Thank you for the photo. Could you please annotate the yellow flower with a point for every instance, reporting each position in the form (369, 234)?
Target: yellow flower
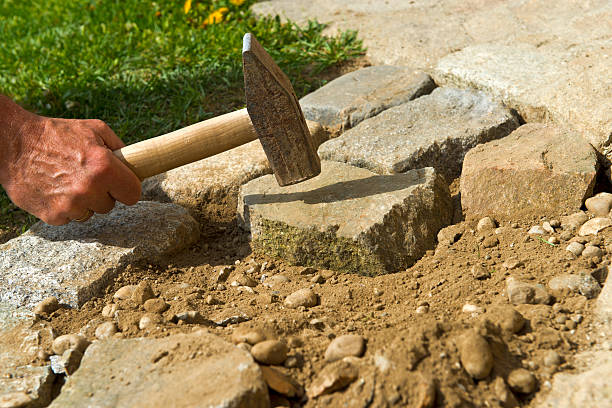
(237, 2)
(216, 16)
(187, 6)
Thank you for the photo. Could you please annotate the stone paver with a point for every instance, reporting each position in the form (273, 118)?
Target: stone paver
(348, 218)
(183, 370)
(208, 187)
(435, 130)
(358, 95)
(76, 261)
(571, 88)
(537, 170)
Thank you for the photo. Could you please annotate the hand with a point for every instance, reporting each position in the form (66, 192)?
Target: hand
(61, 170)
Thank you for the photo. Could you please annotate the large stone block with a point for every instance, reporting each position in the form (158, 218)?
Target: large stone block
(183, 370)
(358, 95)
(571, 88)
(538, 170)
(77, 261)
(435, 130)
(348, 219)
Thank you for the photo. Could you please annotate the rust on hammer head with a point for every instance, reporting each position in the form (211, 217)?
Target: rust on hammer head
(277, 117)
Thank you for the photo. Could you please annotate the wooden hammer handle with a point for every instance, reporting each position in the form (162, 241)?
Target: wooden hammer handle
(189, 144)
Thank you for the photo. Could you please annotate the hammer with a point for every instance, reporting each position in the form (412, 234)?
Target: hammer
(273, 114)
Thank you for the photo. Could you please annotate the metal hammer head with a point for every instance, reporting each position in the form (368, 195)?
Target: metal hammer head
(277, 117)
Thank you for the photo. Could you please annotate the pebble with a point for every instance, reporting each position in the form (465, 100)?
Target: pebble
(317, 278)
(250, 335)
(156, 305)
(303, 297)
(224, 273)
(142, 293)
(110, 310)
(124, 292)
(345, 346)
(522, 381)
(490, 242)
(475, 355)
(281, 383)
(480, 272)
(574, 221)
(512, 263)
(485, 224)
(525, 293)
(547, 227)
(276, 281)
(470, 308)
(553, 240)
(599, 204)
(593, 226)
(69, 341)
(503, 394)
(211, 300)
(47, 306)
(591, 251)
(149, 320)
(537, 230)
(568, 283)
(378, 292)
(551, 358)
(244, 280)
(333, 377)
(422, 309)
(570, 324)
(507, 318)
(71, 360)
(271, 352)
(575, 248)
(106, 330)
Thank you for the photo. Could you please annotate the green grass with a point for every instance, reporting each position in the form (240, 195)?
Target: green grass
(146, 68)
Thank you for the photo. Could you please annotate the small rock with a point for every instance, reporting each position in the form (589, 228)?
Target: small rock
(566, 235)
(449, 235)
(475, 355)
(582, 283)
(156, 305)
(575, 248)
(190, 317)
(591, 251)
(149, 320)
(480, 272)
(526, 293)
(317, 278)
(142, 293)
(245, 346)
(574, 221)
(555, 223)
(503, 394)
(69, 341)
(521, 380)
(106, 330)
(47, 306)
(593, 226)
(345, 346)
(281, 383)
(271, 352)
(490, 242)
(422, 309)
(276, 281)
(552, 358)
(553, 240)
(378, 292)
(307, 270)
(250, 335)
(426, 394)
(333, 377)
(507, 318)
(547, 227)
(124, 292)
(244, 280)
(211, 300)
(512, 263)
(485, 224)
(302, 297)
(470, 308)
(224, 273)
(600, 204)
(110, 310)
(537, 230)
(71, 359)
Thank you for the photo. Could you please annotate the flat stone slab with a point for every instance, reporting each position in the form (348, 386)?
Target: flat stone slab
(435, 130)
(571, 88)
(358, 95)
(537, 170)
(77, 261)
(183, 370)
(347, 219)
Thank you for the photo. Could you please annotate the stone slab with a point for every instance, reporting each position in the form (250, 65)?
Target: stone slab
(77, 261)
(538, 170)
(182, 370)
(571, 88)
(358, 95)
(435, 130)
(347, 219)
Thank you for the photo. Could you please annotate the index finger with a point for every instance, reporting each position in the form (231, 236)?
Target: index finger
(124, 185)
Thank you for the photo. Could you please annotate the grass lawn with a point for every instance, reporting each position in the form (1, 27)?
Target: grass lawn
(146, 67)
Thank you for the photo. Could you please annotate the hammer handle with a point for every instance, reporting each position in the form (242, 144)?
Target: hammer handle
(198, 141)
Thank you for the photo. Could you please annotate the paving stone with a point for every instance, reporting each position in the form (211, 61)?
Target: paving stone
(567, 87)
(77, 261)
(435, 130)
(537, 170)
(183, 370)
(358, 95)
(208, 187)
(348, 218)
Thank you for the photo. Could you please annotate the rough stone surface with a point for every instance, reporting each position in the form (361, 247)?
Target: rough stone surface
(358, 95)
(594, 225)
(345, 346)
(526, 293)
(348, 218)
(77, 261)
(333, 377)
(600, 204)
(537, 170)
(162, 373)
(435, 130)
(208, 186)
(568, 283)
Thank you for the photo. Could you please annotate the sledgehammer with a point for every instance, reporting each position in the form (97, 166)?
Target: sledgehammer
(273, 114)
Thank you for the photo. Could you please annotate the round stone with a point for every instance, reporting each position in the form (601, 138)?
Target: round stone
(271, 352)
(575, 248)
(486, 223)
(302, 297)
(250, 335)
(106, 330)
(47, 306)
(69, 341)
(507, 318)
(551, 358)
(591, 251)
(345, 346)
(522, 381)
(475, 354)
(124, 292)
(155, 305)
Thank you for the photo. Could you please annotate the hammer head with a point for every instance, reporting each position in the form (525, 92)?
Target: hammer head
(277, 117)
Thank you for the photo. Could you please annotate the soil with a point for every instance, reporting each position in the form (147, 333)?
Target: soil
(383, 309)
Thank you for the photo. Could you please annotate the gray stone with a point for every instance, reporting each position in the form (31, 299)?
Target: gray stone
(347, 219)
(568, 283)
(77, 261)
(435, 130)
(358, 95)
(591, 251)
(575, 248)
(554, 86)
(183, 370)
(526, 293)
(600, 204)
(537, 170)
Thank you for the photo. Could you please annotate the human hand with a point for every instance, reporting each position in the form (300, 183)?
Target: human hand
(63, 169)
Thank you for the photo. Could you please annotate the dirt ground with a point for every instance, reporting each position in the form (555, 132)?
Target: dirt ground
(413, 317)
